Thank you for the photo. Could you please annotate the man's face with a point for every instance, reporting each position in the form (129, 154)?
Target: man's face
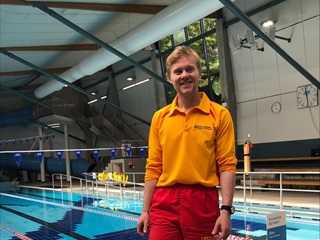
(184, 76)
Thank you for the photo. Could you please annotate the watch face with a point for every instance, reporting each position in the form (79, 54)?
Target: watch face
(276, 107)
(232, 209)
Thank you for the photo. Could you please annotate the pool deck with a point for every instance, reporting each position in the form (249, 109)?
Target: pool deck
(301, 199)
(293, 199)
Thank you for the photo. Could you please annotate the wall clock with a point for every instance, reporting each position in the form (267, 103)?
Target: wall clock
(276, 107)
(307, 96)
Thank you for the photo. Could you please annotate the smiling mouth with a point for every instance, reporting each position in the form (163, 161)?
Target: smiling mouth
(185, 83)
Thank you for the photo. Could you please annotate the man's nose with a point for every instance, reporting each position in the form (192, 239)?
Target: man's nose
(184, 74)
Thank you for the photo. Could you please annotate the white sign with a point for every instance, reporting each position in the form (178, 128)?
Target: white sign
(276, 226)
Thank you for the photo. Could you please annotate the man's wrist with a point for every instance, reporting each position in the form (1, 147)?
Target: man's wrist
(229, 209)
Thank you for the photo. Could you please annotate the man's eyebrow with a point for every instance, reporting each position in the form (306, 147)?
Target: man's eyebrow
(177, 69)
(188, 66)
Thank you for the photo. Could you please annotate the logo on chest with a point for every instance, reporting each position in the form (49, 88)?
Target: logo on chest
(199, 127)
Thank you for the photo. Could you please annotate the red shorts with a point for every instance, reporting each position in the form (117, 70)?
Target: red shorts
(183, 212)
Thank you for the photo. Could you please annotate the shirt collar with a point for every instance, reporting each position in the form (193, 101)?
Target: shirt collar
(204, 105)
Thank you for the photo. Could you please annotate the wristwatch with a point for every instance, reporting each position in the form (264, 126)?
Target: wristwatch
(230, 209)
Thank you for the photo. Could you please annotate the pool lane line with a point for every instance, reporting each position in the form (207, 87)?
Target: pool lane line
(115, 209)
(42, 197)
(46, 224)
(75, 207)
(70, 201)
(18, 235)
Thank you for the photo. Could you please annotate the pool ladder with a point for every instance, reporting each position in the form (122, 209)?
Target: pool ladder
(15, 182)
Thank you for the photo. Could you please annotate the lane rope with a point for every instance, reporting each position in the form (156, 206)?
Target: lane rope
(18, 235)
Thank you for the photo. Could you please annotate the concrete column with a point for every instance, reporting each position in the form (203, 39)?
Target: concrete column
(42, 169)
(225, 69)
(155, 68)
(66, 146)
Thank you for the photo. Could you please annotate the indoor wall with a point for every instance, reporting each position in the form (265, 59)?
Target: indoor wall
(264, 77)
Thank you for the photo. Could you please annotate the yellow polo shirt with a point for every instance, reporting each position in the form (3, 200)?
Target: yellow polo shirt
(191, 148)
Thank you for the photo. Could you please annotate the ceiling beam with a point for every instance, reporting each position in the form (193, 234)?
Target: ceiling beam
(123, 8)
(33, 72)
(74, 47)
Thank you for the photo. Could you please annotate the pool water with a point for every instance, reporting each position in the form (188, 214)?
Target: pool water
(45, 214)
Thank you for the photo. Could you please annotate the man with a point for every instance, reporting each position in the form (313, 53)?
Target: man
(191, 151)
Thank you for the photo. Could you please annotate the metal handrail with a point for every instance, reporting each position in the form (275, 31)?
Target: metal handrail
(292, 213)
(107, 185)
(100, 188)
(14, 182)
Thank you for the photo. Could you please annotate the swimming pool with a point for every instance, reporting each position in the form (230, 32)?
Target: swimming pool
(46, 214)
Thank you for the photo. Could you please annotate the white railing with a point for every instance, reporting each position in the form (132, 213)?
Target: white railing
(251, 185)
(281, 189)
(134, 190)
(95, 187)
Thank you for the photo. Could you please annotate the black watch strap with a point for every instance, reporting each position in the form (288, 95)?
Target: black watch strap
(230, 209)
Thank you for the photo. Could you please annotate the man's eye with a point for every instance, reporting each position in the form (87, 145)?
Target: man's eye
(190, 70)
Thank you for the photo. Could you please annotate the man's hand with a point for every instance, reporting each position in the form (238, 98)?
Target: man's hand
(143, 224)
(223, 223)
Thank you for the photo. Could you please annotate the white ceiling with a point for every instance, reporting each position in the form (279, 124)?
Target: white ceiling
(41, 40)
(37, 38)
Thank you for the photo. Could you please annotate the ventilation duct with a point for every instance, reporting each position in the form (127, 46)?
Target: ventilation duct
(166, 22)
(52, 165)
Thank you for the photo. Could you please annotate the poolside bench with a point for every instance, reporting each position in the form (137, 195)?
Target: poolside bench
(311, 165)
(302, 182)
(282, 159)
(295, 170)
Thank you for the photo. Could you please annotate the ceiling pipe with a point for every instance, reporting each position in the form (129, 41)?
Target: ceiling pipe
(166, 22)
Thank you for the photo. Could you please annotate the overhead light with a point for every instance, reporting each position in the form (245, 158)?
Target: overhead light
(54, 125)
(131, 78)
(94, 93)
(267, 23)
(138, 83)
(94, 100)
